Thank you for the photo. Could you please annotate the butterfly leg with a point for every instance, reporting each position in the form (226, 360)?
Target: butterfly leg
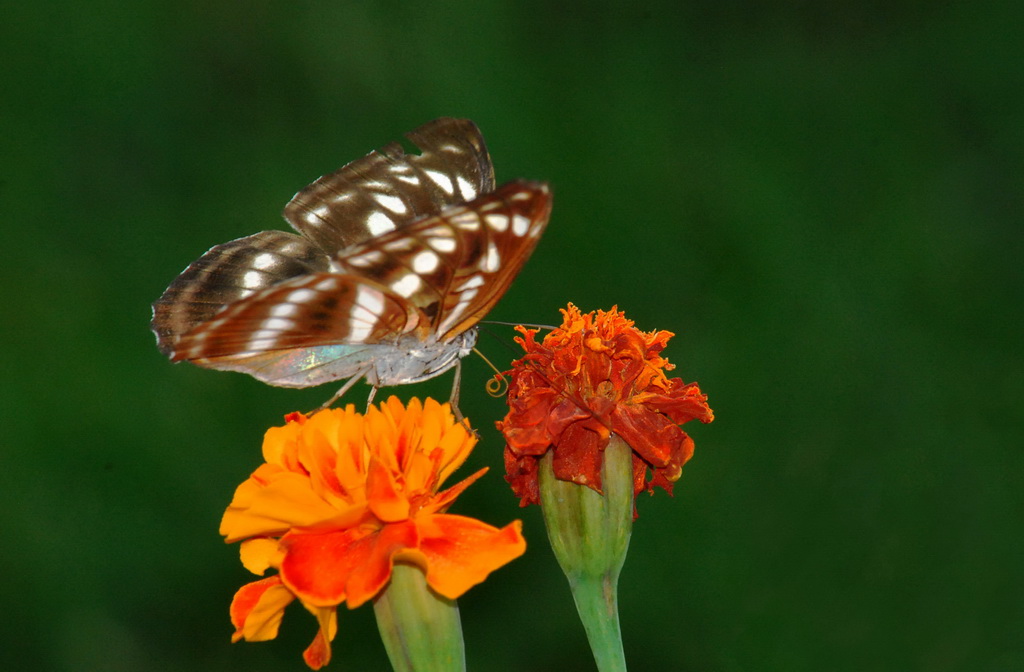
(456, 387)
(345, 388)
(369, 399)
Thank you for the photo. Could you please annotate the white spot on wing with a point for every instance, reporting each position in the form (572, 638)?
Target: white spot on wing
(467, 189)
(362, 314)
(472, 283)
(301, 296)
(520, 225)
(491, 261)
(366, 315)
(263, 336)
(359, 329)
(467, 220)
(276, 324)
(327, 285)
(441, 180)
(392, 203)
(442, 243)
(379, 223)
(498, 222)
(453, 315)
(252, 279)
(425, 261)
(365, 259)
(402, 244)
(257, 345)
(408, 285)
(284, 310)
(371, 299)
(263, 261)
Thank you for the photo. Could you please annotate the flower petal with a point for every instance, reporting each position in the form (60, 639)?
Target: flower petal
(351, 566)
(258, 555)
(287, 501)
(386, 500)
(460, 552)
(318, 653)
(257, 609)
(653, 436)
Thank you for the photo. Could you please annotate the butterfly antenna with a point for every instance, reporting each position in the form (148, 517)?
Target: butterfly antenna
(495, 386)
(546, 327)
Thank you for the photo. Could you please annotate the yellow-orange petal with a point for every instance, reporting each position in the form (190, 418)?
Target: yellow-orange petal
(386, 500)
(351, 566)
(286, 502)
(278, 442)
(370, 578)
(443, 500)
(318, 653)
(260, 554)
(459, 552)
(257, 609)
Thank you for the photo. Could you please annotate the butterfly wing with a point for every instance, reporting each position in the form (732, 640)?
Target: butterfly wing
(377, 193)
(454, 267)
(414, 289)
(228, 273)
(389, 188)
(302, 332)
(512, 220)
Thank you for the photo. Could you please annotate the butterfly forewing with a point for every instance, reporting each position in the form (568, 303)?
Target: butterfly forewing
(388, 188)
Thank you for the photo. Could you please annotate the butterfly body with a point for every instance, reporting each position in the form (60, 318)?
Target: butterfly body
(398, 258)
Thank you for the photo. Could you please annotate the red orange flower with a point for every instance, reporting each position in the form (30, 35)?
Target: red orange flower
(341, 497)
(593, 376)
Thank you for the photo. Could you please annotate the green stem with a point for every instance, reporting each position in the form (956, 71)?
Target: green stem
(597, 603)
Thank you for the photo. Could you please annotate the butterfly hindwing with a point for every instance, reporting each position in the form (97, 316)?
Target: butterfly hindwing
(228, 273)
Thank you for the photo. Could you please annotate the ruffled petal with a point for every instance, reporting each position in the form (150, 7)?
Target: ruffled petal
(460, 552)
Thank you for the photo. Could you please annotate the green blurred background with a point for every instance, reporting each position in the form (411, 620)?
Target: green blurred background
(822, 200)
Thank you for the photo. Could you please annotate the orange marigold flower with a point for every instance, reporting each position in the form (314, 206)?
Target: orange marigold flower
(593, 376)
(340, 498)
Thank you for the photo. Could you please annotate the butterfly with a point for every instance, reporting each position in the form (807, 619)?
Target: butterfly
(398, 257)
